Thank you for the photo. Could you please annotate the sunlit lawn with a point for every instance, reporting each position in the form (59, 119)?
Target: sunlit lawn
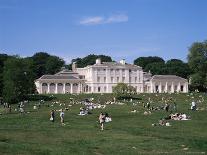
(128, 133)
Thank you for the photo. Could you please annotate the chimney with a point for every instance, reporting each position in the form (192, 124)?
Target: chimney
(98, 61)
(74, 66)
(123, 62)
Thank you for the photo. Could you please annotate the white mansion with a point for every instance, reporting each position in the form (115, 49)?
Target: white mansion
(103, 76)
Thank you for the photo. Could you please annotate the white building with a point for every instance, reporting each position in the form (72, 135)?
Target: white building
(103, 76)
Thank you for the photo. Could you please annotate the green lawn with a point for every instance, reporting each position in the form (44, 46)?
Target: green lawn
(128, 133)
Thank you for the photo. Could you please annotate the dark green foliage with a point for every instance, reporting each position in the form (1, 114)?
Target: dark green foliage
(197, 60)
(144, 61)
(123, 91)
(156, 68)
(3, 58)
(17, 79)
(90, 60)
(46, 64)
(177, 67)
(157, 65)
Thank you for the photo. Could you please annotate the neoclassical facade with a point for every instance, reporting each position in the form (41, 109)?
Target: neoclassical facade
(103, 76)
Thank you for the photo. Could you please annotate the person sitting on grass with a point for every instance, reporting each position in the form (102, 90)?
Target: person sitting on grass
(193, 106)
(102, 120)
(107, 118)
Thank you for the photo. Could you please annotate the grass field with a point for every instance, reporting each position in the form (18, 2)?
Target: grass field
(127, 134)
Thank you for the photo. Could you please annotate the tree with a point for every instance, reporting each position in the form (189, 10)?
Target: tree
(156, 68)
(3, 58)
(90, 60)
(46, 64)
(177, 67)
(121, 90)
(197, 60)
(53, 64)
(144, 61)
(17, 79)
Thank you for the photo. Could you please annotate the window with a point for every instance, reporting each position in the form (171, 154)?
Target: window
(117, 70)
(112, 70)
(104, 70)
(105, 89)
(123, 79)
(123, 70)
(181, 88)
(104, 79)
(99, 89)
(112, 79)
(135, 79)
(117, 79)
(98, 79)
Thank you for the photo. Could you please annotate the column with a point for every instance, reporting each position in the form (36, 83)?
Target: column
(48, 88)
(186, 87)
(40, 88)
(71, 88)
(78, 87)
(63, 88)
(172, 88)
(160, 87)
(56, 85)
(151, 87)
(178, 88)
(166, 87)
(108, 79)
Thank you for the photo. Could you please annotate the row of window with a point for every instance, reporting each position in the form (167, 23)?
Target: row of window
(59, 84)
(169, 88)
(116, 70)
(117, 79)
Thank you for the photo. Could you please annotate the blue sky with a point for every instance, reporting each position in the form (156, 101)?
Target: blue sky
(119, 28)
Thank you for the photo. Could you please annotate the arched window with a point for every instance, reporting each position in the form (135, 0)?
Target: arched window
(60, 84)
(44, 84)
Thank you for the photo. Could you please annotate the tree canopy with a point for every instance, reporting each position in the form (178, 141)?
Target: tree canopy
(197, 60)
(90, 60)
(157, 65)
(18, 79)
(122, 90)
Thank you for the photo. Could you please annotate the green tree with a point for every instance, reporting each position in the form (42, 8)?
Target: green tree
(46, 64)
(197, 60)
(122, 90)
(177, 67)
(17, 79)
(144, 61)
(3, 58)
(90, 60)
(156, 68)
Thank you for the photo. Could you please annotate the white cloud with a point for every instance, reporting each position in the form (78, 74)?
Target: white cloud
(92, 20)
(117, 18)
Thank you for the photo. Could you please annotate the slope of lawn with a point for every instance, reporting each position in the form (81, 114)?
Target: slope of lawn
(128, 133)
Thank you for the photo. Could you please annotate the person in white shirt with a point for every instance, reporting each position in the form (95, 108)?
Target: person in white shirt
(193, 106)
(62, 117)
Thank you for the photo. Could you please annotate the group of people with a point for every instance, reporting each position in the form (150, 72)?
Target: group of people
(52, 116)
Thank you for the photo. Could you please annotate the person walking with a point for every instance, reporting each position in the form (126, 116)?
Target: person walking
(102, 120)
(62, 117)
(52, 115)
